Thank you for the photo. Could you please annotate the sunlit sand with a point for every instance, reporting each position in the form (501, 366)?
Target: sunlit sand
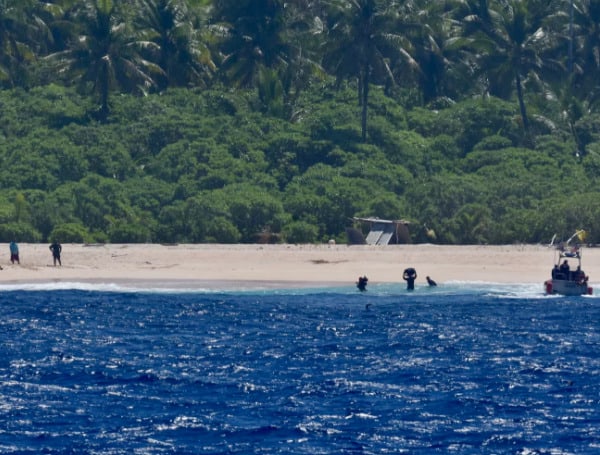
(233, 266)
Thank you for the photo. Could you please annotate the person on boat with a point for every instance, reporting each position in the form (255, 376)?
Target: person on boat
(564, 269)
(430, 282)
(555, 272)
(361, 284)
(580, 275)
(410, 275)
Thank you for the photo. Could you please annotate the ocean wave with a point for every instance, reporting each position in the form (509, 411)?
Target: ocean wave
(451, 288)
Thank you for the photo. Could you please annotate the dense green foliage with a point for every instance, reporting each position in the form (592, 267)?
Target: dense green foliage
(203, 166)
(254, 124)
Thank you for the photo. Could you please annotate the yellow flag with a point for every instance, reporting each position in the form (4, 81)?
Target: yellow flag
(581, 235)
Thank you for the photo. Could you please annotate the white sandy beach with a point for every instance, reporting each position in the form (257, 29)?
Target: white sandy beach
(235, 266)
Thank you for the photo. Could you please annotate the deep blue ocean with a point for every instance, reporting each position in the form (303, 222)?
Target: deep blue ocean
(462, 368)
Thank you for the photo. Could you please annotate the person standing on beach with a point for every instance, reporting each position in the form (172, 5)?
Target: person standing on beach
(14, 252)
(56, 249)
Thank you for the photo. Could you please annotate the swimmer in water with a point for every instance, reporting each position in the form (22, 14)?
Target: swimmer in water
(410, 275)
(361, 284)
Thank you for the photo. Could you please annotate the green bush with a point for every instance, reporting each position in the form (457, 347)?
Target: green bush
(70, 233)
(201, 165)
(300, 232)
(494, 142)
(19, 232)
(222, 230)
(129, 233)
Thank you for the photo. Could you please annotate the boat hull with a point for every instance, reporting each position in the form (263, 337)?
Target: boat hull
(567, 287)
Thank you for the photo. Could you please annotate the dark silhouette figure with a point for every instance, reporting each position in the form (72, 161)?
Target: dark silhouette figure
(14, 252)
(56, 249)
(430, 282)
(565, 269)
(580, 275)
(361, 284)
(410, 275)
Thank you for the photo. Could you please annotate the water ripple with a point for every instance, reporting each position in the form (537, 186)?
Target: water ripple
(464, 371)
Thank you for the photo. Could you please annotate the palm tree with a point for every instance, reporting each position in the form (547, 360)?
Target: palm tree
(168, 34)
(578, 92)
(508, 42)
(103, 53)
(56, 14)
(441, 70)
(254, 37)
(265, 45)
(21, 32)
(364, 41)
(586, 55)
(303, 33)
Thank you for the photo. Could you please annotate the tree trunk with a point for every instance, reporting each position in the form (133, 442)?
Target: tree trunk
(104, 88)
(522, 103)
(365, 103)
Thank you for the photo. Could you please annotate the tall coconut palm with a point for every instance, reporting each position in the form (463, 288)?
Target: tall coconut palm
(57, 15)
(441, 69)
(304, 31)
(22, 36)
(365, 38)
(254, 37)
(586, 53)
(168, 34)
(508, 41)
(264, 45)
(104, 53)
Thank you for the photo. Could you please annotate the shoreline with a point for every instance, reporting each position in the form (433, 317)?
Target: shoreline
(238, 266)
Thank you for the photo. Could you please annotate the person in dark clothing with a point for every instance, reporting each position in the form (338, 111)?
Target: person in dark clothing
(56, 249)
(361, 284)
(565, 269)
(580, 276)
(14, 252)
(430, 282)
(410, 275)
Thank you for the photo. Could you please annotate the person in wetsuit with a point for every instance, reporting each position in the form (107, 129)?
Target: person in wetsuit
(410, 275)
(56, 249)
(430, 282)
(361, 284)
(565, 269)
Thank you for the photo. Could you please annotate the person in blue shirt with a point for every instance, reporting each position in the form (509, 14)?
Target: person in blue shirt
(14, 252)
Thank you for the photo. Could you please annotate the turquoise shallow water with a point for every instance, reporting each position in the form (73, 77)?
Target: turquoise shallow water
(462, 368)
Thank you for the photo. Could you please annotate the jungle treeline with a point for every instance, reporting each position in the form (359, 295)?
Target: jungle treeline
(280, 121)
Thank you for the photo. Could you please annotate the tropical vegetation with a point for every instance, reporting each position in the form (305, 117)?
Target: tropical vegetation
(281, 121)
